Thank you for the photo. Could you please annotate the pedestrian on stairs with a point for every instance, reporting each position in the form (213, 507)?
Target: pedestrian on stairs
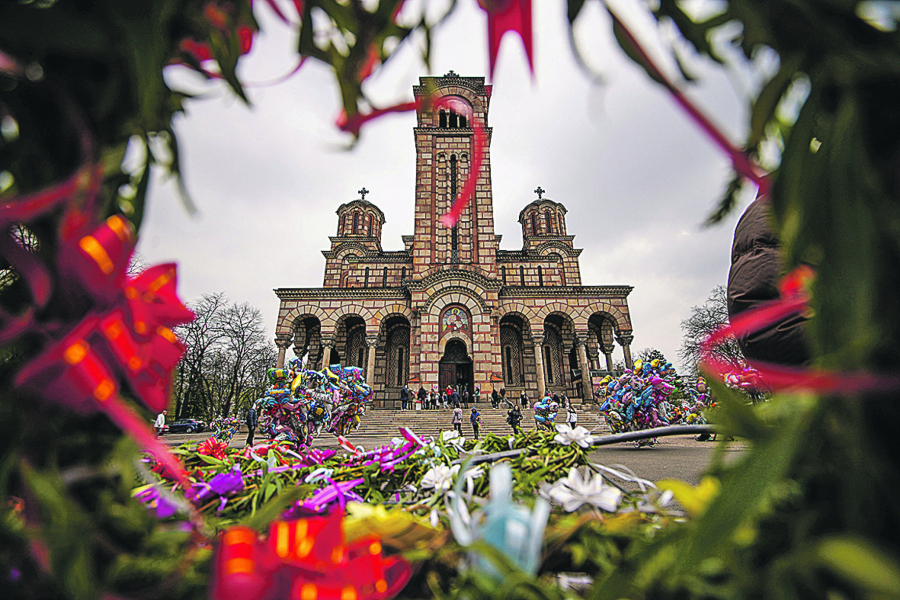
(421, 395)
(514, 417)
(475, 419)
(457, 419)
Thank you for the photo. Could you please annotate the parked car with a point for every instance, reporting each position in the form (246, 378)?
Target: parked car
(186, 426)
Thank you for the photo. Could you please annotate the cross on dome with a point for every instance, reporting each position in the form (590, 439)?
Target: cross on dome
(363, 193)
(539, 191)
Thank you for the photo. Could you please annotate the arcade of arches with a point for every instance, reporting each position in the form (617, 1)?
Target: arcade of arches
(452, 307)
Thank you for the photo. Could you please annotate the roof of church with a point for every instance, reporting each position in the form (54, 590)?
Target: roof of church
(541, 202)
(364, 203)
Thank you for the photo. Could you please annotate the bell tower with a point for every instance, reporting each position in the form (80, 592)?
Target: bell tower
(452, 108)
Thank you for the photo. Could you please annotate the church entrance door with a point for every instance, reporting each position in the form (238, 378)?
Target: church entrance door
(456, 367)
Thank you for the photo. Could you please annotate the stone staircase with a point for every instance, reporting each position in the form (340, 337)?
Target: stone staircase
(384, 423)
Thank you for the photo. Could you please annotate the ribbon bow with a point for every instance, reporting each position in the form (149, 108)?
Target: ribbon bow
(126, 338)
(305, 559)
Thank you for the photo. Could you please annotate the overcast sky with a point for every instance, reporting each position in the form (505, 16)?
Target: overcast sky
(637, 177)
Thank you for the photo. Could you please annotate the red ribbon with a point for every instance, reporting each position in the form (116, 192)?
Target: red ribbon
(505, 16)
(127, 338)
(305, 559)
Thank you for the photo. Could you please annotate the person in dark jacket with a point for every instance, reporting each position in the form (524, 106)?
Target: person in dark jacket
(475, 419)
(404, 398)
(252, 422)
(756, 269)
(514, 417)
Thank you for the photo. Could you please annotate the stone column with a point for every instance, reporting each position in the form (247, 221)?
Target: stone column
(625, 340)
(607, 352)
(415, 347)
(587, 387)
(283, 344)
(327, 347)
(371, 344)
(539, 365)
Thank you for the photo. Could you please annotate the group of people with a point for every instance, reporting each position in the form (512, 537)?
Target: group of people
(434, 399)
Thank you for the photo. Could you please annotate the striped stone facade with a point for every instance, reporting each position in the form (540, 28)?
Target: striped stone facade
(452, 307)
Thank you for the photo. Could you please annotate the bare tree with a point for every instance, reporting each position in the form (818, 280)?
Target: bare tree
(704, 320)
(244, 340)
(193, 390)
(224, 366)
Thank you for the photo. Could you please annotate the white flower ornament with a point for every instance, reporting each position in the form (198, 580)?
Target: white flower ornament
(576, 490)
(440, 478)
(578, 435)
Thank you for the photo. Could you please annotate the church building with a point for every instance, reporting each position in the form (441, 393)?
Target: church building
(451, 307)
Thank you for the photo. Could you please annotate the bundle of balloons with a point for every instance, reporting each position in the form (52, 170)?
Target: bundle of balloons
(747, 381)
(225, 428)
(642, 399)
(545, 411)
(301, 403)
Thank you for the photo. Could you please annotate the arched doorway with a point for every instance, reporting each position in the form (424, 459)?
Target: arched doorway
(456, 366)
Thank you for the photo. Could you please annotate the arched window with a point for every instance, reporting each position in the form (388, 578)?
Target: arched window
(366, 281)
(549, 221)
(400, 372)
(534, 230)
(384, 277)
(370, 224)
(503, 272)
(548, 365)
(403, 276)
(454, 112)
(355, 223)
(521, 275)
(540, 276)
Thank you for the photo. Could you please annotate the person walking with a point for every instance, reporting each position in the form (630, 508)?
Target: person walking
(523, 400)
(571, 416)
(454, 398)
(504, 399)
(404, 398)
(475, 419)
(495, 398)
(252, 422)
(465, 397)
(421, 395)
(160, 423)
(514, 417)
(477, 395)
(456, 420)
